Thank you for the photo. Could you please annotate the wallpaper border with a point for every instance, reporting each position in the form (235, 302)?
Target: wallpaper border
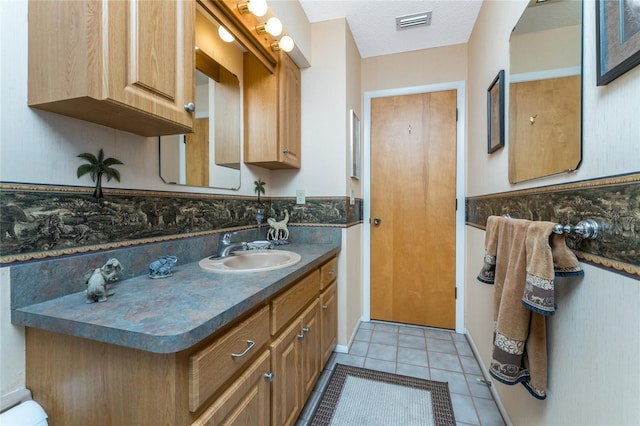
(612, 201)
(41, 221)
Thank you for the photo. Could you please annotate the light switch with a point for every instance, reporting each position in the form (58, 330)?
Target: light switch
(300, 196)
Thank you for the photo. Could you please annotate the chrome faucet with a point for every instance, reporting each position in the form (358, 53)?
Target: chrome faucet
(226, 247)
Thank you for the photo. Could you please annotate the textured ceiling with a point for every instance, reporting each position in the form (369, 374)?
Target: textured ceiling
(373, 22)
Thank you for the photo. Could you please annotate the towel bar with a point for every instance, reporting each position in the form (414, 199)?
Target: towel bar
(588, 229)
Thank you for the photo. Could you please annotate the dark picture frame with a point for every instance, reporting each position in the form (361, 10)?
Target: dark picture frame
(495, 113)
(617, 39)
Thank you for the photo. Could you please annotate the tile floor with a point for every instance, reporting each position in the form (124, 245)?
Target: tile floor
(420, 352)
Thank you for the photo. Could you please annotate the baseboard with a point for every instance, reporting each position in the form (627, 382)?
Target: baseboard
(486, 376)
(14, 398)
(344, 349)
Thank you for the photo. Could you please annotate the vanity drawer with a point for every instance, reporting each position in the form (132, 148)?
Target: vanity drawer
(328, 273)
(288, 304)
(213, 365)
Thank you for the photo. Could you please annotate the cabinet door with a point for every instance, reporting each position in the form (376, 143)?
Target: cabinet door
(311, 351)
(127, 64)
(289, 111)
(151, 56)
(329, 321)
(246, 401)
(285, 356)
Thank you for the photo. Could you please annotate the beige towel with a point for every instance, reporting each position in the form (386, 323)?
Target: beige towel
(547, 256)
(519, 352)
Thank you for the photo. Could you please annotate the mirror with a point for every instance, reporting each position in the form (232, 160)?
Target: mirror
(210, 156)
(545, 90)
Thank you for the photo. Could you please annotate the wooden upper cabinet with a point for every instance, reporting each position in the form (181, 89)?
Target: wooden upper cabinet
(272, 113)
(124, 64)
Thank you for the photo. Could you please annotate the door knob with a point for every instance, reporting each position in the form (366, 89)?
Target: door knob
(377, 221)
(190, 107)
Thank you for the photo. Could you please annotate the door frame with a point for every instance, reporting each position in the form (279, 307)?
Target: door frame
(459, 86)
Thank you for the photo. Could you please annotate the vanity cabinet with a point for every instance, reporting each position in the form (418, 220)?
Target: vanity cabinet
(257, 370)
(272, 113)
(123, 64)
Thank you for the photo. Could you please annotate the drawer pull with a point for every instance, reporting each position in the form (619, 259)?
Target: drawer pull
(250, 346)
(325, 307)
(306, 330)
(268, 377)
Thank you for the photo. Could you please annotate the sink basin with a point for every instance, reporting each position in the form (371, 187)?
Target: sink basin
(251, 261)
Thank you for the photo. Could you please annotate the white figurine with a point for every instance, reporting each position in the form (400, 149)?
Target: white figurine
(97, 281)
(278, 230)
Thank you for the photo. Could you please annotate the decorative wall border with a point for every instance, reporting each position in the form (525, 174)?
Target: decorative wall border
(612, 201)
(45, 221)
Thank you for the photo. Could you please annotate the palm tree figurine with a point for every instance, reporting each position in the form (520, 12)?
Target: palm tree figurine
(259, 189)
(96, 167)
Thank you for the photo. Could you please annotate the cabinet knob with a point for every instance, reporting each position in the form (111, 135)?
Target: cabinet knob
(325, 307)
(306, 330)
(285, 151)
(300, 336)
(190, 107)
(268, 377)
(250, 345)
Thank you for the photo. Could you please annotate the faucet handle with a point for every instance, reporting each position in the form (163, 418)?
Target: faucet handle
(226, 238)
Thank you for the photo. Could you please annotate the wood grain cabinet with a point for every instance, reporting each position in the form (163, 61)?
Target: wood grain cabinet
(272, 113)
(124, 64)
(258, 370)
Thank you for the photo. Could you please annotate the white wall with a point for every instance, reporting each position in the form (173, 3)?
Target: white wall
(594, 339)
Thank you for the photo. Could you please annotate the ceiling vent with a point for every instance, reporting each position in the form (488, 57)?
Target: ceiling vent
(412, 21)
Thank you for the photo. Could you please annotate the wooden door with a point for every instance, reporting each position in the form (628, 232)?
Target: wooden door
(311, 351)
(286, 394)
(413, 202)
(289, 111)
(151, 56)
(329, 321)
(197, 153)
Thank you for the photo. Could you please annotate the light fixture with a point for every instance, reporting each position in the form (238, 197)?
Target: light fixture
(285, 44)
(257, 7)
(225, 35)
(273, 26)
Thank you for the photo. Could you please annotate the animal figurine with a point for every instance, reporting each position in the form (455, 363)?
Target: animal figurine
(278, 230)
(97, 281)
(161, 268)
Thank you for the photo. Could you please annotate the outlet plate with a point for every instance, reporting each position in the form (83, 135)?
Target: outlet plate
(300, 198)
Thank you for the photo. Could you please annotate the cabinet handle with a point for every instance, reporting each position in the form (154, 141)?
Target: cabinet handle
(300, 336)
(325, 307)
(268, 377)
(250, 345)
(285, 151)
(306, 330)
(190, 107)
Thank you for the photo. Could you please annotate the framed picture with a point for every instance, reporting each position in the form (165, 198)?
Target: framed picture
(355, 145)
(617, 38)
(495, 113)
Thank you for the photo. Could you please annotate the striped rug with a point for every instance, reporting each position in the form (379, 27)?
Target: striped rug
(357, 396)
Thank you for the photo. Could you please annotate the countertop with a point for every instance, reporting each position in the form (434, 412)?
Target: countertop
(171, 314)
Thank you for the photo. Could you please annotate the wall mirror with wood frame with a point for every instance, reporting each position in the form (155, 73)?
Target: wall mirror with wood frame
(545, 91)
(210, 156)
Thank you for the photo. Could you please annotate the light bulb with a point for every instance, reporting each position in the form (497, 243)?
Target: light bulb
(286, 43)
(225, 35)
(258, 7)
(274, 26)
